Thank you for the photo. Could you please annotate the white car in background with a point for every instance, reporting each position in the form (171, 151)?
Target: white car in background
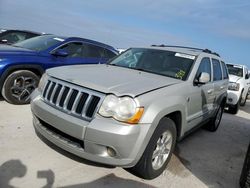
(238, 88)
(120, 50)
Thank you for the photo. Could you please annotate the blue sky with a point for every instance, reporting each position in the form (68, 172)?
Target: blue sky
(220, 25)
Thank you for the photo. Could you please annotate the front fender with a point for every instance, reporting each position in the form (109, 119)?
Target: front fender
(162, 107)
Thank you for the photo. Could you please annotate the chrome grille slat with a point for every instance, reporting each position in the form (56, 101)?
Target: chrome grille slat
(76, 102)
(46, 88)
(53, 92)
(59, 96)
(86, 106)
(65, 104)
(72, 99)
(47, 92)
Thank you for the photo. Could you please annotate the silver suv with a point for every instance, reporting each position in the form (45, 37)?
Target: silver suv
(131, 112)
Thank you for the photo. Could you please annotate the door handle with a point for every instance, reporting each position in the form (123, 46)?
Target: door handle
(221, 87)
(210, 91)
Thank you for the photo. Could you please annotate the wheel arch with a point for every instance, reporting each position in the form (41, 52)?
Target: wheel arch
(176, 117)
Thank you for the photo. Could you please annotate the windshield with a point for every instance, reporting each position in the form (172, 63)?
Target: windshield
(40, 43)
(162, 62)
(235, 70)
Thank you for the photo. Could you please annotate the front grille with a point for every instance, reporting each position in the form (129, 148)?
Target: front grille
(72, 99)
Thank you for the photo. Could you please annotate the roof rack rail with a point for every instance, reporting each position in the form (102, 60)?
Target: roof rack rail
(187, 47)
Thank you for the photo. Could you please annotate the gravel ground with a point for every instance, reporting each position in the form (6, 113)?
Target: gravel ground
(203, 159)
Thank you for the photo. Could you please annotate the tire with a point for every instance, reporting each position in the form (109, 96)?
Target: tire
(18, 86)
(245, 173)
(214, 123)
(233, 109)
(243, 102)
(147, 166)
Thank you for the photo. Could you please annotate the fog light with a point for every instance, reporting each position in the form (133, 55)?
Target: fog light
(111, 152)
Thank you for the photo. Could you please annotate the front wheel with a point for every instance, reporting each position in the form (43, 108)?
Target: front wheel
(158, 151)
(233, 109)
(18, 86)
(243, 100)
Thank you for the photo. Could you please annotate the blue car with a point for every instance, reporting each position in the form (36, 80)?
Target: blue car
(22, 64)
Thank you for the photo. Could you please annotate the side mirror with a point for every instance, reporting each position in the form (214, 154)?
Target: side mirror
(60, 52)
(203, 78)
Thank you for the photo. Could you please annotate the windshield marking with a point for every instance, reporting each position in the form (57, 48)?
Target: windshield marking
(59, 39)
(185, 56)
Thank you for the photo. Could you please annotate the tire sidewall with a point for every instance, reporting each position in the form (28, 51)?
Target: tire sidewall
(244, 102)
(216, 126)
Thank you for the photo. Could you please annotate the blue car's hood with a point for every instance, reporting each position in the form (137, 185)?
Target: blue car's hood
(12, 50)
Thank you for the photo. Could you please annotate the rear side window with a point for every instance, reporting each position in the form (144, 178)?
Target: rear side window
(217, 73)
(224, 69)
(205, 66)
(109, 54)
(94, 51)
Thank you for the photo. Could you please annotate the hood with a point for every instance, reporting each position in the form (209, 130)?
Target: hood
(234, 78)
(9, 50)
(111, 79)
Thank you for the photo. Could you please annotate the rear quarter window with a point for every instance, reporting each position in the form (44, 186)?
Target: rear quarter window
(109, 54)
(225, 71)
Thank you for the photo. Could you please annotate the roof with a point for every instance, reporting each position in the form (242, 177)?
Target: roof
(184, 49)
(90, 41)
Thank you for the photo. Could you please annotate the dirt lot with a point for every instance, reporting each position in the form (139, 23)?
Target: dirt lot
(203, 159)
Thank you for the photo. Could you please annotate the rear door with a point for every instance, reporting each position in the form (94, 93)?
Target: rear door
(220, 81)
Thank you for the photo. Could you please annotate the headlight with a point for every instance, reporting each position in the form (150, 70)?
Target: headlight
(42, 82)
(234, 86)
(122, 109)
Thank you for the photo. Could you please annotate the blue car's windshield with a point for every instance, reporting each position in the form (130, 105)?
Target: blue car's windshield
(40, 43)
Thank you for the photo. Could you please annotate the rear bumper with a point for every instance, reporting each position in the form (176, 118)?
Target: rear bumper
(90, 140)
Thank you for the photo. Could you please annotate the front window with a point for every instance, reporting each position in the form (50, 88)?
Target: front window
(40, 43)
(205, 66)
(162, 62)
(235, 70)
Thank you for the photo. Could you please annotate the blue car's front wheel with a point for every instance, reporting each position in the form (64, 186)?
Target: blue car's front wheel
(19, 85)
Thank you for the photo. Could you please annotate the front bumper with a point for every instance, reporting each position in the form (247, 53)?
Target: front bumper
(90, 140)
(233, 97)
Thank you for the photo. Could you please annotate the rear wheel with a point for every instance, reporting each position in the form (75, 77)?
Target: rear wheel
(213, 124)
(18, 86)
(158, 151)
